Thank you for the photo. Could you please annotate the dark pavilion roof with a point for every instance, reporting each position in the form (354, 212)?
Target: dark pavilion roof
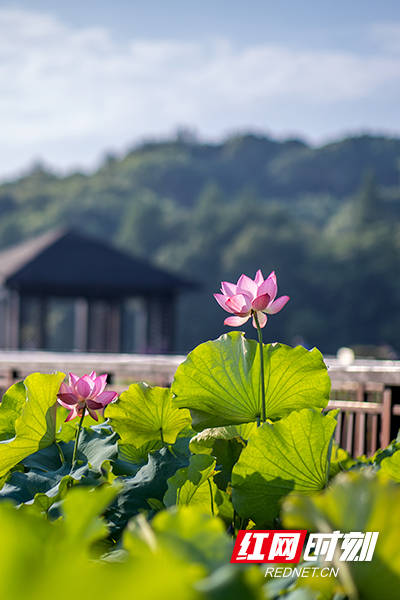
(70, 263)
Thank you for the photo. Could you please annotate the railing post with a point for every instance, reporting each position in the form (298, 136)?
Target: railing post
(386, 417)
(359, 434)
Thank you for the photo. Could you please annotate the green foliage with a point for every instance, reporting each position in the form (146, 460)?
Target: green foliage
(193, 484)
(220, 386)
(129, 453)
(357, 502)
(12, 404)
(145, 414)
(185, 531)
(149, 509)
(207, 437)
(288, 456)
(225, 444)
(82, 509)
(96, 445)
(340, 460)
(45, 558)
(35, 426)
(48, 473)
(149, 482)
(43, 553)
(390, 466)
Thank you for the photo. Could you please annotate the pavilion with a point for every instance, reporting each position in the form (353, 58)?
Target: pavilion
(68, 291)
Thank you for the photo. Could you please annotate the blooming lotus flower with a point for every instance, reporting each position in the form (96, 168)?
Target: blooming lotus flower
(86, 392)
(250, 297)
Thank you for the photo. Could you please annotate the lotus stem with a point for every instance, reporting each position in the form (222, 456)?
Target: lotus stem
(261, 346)
(211, 497)
(78, 433)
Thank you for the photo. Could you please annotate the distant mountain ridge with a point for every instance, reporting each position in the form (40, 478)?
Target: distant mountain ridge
(179, 169)
(270, 167)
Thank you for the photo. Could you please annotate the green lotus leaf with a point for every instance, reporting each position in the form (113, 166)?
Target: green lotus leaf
(82, 509)
(356, 501)
(35, 428)
(390, 466)
(96, 445)
(46, 472)
(289, 455)
(130, 453)
(11, 408)
(47, 559)
(220, 381)
(193, 484)
(340, 460)
(185, 531)
(382, 453)
(203, 441)
(225, 444)
(143, 414)
(149, 482)
(43, 501)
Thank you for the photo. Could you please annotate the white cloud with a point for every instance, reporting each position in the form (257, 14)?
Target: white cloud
(67, 94)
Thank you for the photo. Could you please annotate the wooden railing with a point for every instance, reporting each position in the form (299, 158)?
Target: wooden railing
(363, 426)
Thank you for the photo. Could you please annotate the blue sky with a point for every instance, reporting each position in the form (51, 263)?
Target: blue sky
(81, 78)
(317, 24)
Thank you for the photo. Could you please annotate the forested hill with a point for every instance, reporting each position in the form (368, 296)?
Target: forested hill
(325, 217)
(181, 168)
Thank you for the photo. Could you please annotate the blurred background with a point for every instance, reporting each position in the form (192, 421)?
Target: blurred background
(214, 139)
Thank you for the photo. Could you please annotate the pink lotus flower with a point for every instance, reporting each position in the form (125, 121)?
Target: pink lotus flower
(86, 392)
(250, 297)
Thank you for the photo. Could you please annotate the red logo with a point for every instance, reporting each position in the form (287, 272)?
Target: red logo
(268, 546)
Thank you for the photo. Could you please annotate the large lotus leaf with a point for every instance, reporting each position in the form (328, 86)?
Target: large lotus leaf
(82, 509)
(11, 408)
(203, 442)
(35, 428)
(193, 484)
(96, 445)
(42, 492)
(150, 482)
(42, 560)
(382, 453)
(184, 531)
(47, 459)
(236, 582)
(390, 466)
(23, 487)
(225, 444)
(23, 535)
(48, 470)
(143, 414)
(130, 453)
(289, 455)
(220, 381)
(44, 501)
(357, 501)
(131, 459)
